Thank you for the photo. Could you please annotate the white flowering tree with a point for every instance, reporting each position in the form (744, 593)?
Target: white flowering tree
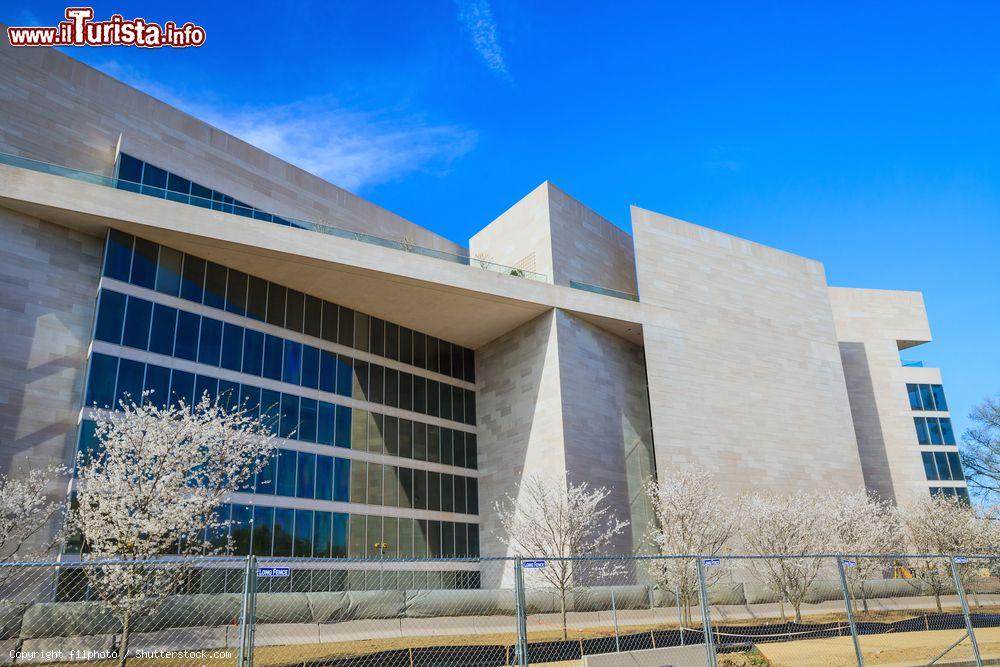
(152, 488)
(552, 518)
(863, 523)
(26, 509)
(691, 518)
(794, 525)
(945, 525)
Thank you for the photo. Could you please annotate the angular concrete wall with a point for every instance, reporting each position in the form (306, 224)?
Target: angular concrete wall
(48, 283)
(552, 233)
(746, 381)
(556, 398)
(872, 326)
(59, 110)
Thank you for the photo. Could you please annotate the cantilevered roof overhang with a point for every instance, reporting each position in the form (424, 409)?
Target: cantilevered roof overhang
(460, 303)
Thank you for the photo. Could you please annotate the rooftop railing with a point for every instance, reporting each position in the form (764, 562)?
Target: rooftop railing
(404, 244)
(597, 289)
(911, 364)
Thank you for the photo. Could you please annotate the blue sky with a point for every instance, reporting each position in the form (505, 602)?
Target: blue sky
(866, 135)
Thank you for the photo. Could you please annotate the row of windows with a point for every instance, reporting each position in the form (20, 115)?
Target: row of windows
(280, 531)
(926, 397)
(73, 584)
(174, 273)
(934, 431)
(111, 380)
(298, 474)
(142, 324)
(135, 175)
(961, 493)
(943, 466)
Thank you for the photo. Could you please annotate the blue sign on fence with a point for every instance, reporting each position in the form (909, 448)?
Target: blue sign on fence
(533, 564)
(961, 560)
(850, 563)
(710, 562)
(274, 571)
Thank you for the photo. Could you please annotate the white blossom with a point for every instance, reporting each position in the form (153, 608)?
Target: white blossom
(793, 525)
(556, 519)
(692, 518)
(152, 488)
(26, 509)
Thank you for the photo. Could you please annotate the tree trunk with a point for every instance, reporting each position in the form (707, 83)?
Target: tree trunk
(937, 600)
(123, 645)
(562, 609)
(784, 618)
(798, 612)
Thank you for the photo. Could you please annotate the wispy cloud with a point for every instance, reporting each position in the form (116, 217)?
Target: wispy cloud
(352, 147)
(476, 18)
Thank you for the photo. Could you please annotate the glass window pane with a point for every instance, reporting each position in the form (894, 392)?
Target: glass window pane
(306, 485)
(359, 386)
(288, 427)
(154, 177)
(270, 409)
(240, 529)
(444, 357)
(405, 438)
(419, 350)
(266, 477)
(205, 386)
(313, 322)
(447, 453)
(232, 347)
(325, 422)
(472, 495)
(432, 354)
(459, 493)
(253, 352)
(935, 430)
(339, 535)
(303, 534)
(359, 482)
(215, 285)
(374, 483)
(420, 539)
(284, 521)
(939, 402)
(433, 444)
(419, 497)
(168, 271)
(263, 527)
(406, 345)
(921, 425)
(181, 388)
(186, 345)
(236, 292)
(285, 485)
(390, 436)
(324, 478)
(327, 371)
(390, 486)
(211, 342)
(321, 534)
(361, 333)
(193, 279)
(294, 310)
(913, 391)
(130, 379)
(157, 382)
(110, 317)
(419, 394)
(469, 365)
(404, 483)
(447, 493)
(947, 434)
(310, 367)
(229, 394)
(342, 430)
(458, 448)
(144, 263)
(329, 322)
(376, 425)
(926, 396)
(345, 375)
(433, 491)
(391, 387)
(471, 460)
(345, 333)
(292, 372)
(118, 255)
(129, 168)
(420, 441)
(433, 398)
(405, 391)
(257, 298)
(276, 304)
(101, 380)
(272, 357)
(358, 545)
(162, 330)
(392, 341)
(307, 420)
(956, 466)
(342, 480)
(941, 459)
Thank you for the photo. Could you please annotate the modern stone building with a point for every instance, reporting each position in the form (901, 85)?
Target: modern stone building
(414, 381)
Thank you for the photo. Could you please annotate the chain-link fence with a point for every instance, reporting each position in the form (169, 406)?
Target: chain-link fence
(684, 611)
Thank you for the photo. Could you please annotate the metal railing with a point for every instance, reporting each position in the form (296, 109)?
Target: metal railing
(911, 364)
(403, 244)
(679, 610)
(606, 291)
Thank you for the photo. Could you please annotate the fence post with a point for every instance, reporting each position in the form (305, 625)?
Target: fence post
(850, 611)
(614, 621)
(680, 614)
(960, 590)
(706, 618)
(521, 614)
(248, 582)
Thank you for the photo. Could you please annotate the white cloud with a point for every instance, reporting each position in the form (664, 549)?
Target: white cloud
(476, 17)
(352, 148)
